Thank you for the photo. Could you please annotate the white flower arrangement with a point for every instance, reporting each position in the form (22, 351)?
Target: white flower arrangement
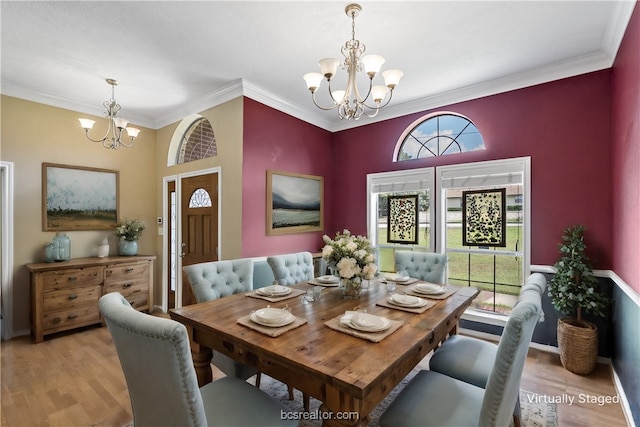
(351, 255)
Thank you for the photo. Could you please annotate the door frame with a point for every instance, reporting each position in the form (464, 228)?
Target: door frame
(7, 242)
(166, 250)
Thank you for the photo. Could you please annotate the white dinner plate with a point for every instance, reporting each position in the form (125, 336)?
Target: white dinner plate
(428, 289)
(399, 279)
(288, 319)
(274, 291)
(365, 322)
(272, 315)
(327, 279)
(408, 301)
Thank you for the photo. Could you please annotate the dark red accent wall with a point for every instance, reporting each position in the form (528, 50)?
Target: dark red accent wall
(625, 141)
(278, 141)
(564, 127)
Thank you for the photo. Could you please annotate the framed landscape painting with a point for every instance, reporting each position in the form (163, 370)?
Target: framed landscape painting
(79, 198)
(295, 203)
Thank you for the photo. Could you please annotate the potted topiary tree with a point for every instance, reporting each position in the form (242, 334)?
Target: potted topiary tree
(573, 290)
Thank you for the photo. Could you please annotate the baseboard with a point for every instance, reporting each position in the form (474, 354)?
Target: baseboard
(624, 402)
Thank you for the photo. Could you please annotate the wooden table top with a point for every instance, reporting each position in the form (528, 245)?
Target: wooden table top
(325, 363)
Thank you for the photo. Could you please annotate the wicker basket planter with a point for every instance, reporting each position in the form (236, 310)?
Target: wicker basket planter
(578, 345)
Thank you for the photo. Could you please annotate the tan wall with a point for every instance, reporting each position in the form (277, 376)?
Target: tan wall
(227, 122)
(33, 133)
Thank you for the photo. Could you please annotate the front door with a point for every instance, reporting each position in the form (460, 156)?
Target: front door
(199, 218)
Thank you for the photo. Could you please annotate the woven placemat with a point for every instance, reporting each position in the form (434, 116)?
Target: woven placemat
(448, 291)
(371, 336)
(267, 330)
(418, 310)
(294, 293)
(326, 285)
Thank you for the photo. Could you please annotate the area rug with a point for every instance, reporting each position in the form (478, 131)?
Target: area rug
(535, 413)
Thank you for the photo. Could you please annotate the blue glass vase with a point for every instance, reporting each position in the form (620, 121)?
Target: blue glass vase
(128, 247)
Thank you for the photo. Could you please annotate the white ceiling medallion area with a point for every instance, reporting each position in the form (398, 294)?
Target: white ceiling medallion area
(175, 65)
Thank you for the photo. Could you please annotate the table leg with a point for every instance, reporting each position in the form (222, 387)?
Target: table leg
(342, 410)
(201, 356)
(202, 363)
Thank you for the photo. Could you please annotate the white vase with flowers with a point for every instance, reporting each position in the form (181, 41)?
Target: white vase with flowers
(352, 259)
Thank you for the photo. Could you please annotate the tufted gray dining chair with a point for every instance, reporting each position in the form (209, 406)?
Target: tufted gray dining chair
(434, 399)
(156, 360)
(217, 279)
(471, 359)
(289, 269)
(427, 266)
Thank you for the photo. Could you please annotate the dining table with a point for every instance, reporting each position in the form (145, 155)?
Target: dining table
(350, 371)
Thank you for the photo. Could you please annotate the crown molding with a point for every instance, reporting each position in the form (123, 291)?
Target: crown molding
(274, 101)
(617, 27)
(212, 99)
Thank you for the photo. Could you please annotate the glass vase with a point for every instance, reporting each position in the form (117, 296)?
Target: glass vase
(61, 247)
(351, 288)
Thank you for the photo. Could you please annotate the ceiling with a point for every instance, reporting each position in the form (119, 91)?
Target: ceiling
(175, 58)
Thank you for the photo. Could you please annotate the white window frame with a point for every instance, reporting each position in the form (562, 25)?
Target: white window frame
(480, 173)
(403, 180)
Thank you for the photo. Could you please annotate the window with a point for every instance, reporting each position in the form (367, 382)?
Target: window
(497, 270)
(197, 142)
(382, 187)
(200, 199)
(437, 135)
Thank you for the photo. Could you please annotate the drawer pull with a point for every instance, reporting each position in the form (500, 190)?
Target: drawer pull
(127, 285)
(73, 296)
(72, 316)
(129, 269)
(72, 278)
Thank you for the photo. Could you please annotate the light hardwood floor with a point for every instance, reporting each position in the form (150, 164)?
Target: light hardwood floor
(75, 379)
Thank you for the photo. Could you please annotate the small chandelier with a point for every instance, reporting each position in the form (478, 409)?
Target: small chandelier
(350, 103)
(113, 137)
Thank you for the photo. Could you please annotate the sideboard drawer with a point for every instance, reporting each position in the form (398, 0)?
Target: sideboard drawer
(131, 288)
(71, 297)
(128, 271)
(62, 320)
(72, 277)
(138, 301)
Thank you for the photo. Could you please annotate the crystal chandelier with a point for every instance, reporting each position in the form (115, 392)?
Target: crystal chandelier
(113, 136)
(350, 103)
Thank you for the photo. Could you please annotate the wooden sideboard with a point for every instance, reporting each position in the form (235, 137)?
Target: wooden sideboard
(64, 295)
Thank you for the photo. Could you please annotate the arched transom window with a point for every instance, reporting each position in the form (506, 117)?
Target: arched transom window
(436, 135)
(198, 141)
